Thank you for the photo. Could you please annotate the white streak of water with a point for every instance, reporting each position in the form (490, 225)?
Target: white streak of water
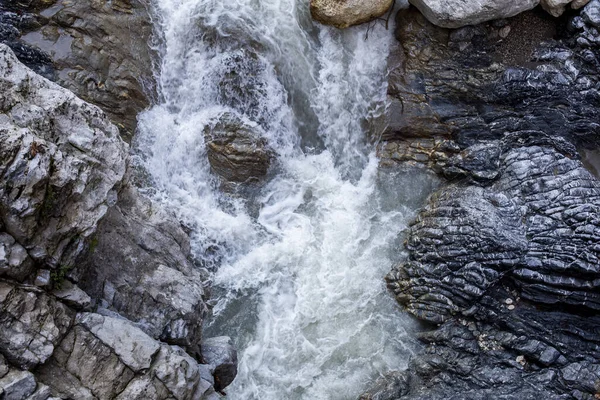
(300, 282)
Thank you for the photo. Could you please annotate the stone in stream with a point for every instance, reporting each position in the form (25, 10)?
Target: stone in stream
(237, 150)
(346, 13)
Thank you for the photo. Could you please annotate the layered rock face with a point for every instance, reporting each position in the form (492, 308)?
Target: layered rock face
(503, 260)
(99, 50)
(98, 294)
(345, 13)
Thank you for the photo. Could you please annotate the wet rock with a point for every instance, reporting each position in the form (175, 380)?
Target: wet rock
(60, 158)
(88, 48)
(237, 150)
(31, 324)
(72, 295)
(149, 278)
(107, 357)
(17, 385)
(220, 354)
(450, 89)
(15, 263)
(557, 7)
(345, 13)
(457, 13)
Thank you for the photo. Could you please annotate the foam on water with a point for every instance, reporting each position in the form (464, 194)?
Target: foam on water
(299, 283)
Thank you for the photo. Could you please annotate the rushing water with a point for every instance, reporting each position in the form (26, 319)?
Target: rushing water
(298, 263)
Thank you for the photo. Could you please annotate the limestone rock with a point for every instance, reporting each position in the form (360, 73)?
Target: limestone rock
(17, 385)
(107, 357)
(89, 48)
(345, 13)
(220, 354)
(60, 158)
(15, 263)
(149, 277)
(237, 151)
(557, 7)
(72, 295)
(457, 13)
(31, 324)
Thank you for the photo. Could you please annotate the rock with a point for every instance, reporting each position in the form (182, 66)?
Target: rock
(220, 354)
(43, 278)
(149, 277)
(17, 385)
(502, 259)
(72, 296)
(111, 358)
(73, 156)
(131, 345)
(237, 150)
(31, 324)
(345, 13)
(458, 13)
(88, 48)
(15, 263)
(42, 392)
(557, 7)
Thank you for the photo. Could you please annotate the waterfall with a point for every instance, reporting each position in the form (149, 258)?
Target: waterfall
(297, 263)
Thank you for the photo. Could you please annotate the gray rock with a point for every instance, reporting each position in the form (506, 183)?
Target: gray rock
(237, 150)
(131, 345)
(31, 324)
(18, 385)
(457, 13)
(15, 263)
(73, 155)
(42, 392)
(557, 7)
(72, 296)
(43, 278)
(220, 354)
(345, 13)
(88, 48)
(149, 277)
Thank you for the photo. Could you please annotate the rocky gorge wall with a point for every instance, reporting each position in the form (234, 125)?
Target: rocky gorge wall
(100, 297)
(503, 258)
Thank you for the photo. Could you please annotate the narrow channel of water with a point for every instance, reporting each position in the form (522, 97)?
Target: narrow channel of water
(298, 262)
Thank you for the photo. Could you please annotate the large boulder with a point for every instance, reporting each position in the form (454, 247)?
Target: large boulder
(149, 277)
(237, 150)
(108, 358)
(457, 13)
(345, 13)
(88, 47)
(60, 159)
(221, 356)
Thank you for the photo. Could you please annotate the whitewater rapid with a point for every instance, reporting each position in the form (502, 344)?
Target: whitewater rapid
(298, 263)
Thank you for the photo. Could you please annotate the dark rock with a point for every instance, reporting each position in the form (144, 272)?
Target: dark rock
(237, 150)
(88, 48)
(502, 259)
(221, 356)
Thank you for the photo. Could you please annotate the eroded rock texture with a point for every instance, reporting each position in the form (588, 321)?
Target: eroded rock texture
(99, 50)
(503, 259)
(97, 288)
(345, 13)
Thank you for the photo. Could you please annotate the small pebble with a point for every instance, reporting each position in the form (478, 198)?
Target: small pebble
(521, 360)
(508, 301)
(511, 307)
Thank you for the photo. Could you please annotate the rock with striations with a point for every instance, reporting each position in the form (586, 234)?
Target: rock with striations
(346, 13)
(237, 150)
(60, 159)
(457, 13)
